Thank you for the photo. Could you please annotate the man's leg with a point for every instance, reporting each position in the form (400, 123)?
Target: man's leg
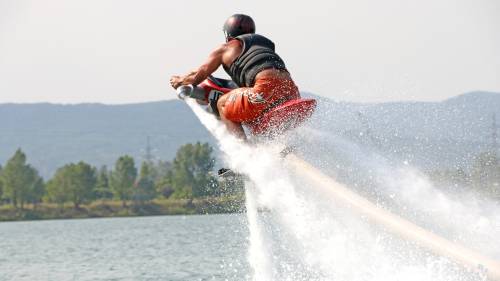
(233, 127)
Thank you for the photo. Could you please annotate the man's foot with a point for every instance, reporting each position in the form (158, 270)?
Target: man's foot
(224, 172)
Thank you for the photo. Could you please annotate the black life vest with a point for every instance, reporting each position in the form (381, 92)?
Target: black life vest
(257, 55)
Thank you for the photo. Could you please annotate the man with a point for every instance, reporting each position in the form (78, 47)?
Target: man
(251, 62)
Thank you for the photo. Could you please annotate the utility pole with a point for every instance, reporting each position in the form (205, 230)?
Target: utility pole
(367, 130)
(148, 156)
(494, 136)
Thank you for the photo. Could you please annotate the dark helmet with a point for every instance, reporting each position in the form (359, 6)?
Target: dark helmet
(237, 25)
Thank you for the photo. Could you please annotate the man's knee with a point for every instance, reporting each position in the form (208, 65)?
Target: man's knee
(221, 103)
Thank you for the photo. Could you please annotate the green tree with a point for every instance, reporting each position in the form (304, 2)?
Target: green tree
(1, 185)
(144, 190)
(36, 189)
(163, 185)
(161, 169)
(123, 178)
(485, 174)
(57, 186)
(84, 182)
(73, 182)
(190, 175)
(19, 180)
(103, 190)
(232, 185)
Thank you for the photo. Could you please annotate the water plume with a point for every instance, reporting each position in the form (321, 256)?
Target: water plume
(301, 235)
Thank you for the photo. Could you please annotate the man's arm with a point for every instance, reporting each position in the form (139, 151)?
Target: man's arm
(196, 76)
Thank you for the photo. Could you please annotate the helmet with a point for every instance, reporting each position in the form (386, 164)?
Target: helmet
(237, 25)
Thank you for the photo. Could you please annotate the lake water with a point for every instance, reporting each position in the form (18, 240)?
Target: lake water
(210, 247)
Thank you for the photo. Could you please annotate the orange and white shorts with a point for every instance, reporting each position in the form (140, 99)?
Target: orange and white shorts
(246, 104)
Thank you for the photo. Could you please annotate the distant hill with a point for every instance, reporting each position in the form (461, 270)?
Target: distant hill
(428, 134)
(53, 135)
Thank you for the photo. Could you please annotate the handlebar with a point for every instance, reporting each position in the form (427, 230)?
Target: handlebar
(184, 91)
(191, 91)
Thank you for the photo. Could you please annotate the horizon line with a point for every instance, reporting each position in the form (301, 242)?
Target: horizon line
(304, 92)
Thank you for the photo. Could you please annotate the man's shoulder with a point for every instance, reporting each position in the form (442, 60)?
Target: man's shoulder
(232, 45)
(231, 50)
(224, 47)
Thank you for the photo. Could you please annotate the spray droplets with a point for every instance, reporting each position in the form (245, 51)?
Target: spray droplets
(296, 234)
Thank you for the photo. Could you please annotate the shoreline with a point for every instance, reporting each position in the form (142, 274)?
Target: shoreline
(114, 208)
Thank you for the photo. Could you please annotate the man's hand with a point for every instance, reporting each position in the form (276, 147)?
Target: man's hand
(176, 81)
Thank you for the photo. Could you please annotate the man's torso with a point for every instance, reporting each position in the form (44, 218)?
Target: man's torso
(251, 56)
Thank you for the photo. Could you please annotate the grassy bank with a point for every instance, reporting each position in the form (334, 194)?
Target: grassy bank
(214, 205)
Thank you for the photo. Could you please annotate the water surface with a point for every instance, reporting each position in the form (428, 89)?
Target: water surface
(209, 247)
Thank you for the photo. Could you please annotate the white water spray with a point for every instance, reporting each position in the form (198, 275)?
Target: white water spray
(257, 252)
(462, 217)
(302, 236)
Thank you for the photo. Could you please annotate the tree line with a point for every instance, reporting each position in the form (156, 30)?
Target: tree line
(483, 176)
(189, 175)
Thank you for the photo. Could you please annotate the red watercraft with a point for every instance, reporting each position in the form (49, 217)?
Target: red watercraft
(276, 120)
